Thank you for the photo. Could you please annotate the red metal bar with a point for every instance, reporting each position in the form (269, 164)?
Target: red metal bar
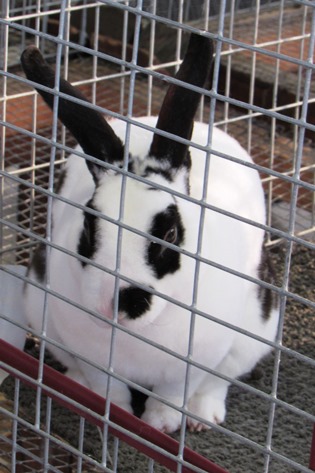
(312, 457)
(53, 379)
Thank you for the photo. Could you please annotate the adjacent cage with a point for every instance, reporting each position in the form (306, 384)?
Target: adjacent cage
(121, 55)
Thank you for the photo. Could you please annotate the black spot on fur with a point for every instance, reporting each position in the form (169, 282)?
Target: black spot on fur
(134, 301)
(130, 164)
(62, 178)
(138, 400)
(167, 226)
(38, 263)
(268, 298)
(88, 243)
(166, 173)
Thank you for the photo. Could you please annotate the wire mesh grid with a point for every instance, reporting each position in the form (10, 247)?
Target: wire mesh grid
(263, 96)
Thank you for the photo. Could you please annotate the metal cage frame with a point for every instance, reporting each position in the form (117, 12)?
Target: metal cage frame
(21, 227)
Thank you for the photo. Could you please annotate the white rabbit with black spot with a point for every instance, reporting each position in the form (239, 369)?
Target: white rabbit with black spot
(157, 229)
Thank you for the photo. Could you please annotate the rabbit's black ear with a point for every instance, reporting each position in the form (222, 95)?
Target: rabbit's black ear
(180, 104)
(93, 133)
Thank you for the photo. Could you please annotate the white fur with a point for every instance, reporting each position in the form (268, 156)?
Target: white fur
(226, 241)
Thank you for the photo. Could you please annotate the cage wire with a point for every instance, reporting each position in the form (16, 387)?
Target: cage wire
(263, 95)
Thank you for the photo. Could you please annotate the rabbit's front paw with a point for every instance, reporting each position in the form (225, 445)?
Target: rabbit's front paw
(161, 416)
(209, 408)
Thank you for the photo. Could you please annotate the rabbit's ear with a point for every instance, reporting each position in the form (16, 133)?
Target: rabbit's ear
(93, 133)
(180, 104)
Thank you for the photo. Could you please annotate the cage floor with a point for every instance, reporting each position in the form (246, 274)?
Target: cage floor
(31, 448)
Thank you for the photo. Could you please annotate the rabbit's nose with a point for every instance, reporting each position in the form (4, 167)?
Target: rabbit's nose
(134, 302)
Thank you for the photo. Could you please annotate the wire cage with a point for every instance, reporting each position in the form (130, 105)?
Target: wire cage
(122, 55)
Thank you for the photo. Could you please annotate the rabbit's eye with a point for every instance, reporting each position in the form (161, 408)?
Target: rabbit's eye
(167, 226)
(171, 235)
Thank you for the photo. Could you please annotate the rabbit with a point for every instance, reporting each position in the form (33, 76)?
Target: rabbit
(132, 231)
